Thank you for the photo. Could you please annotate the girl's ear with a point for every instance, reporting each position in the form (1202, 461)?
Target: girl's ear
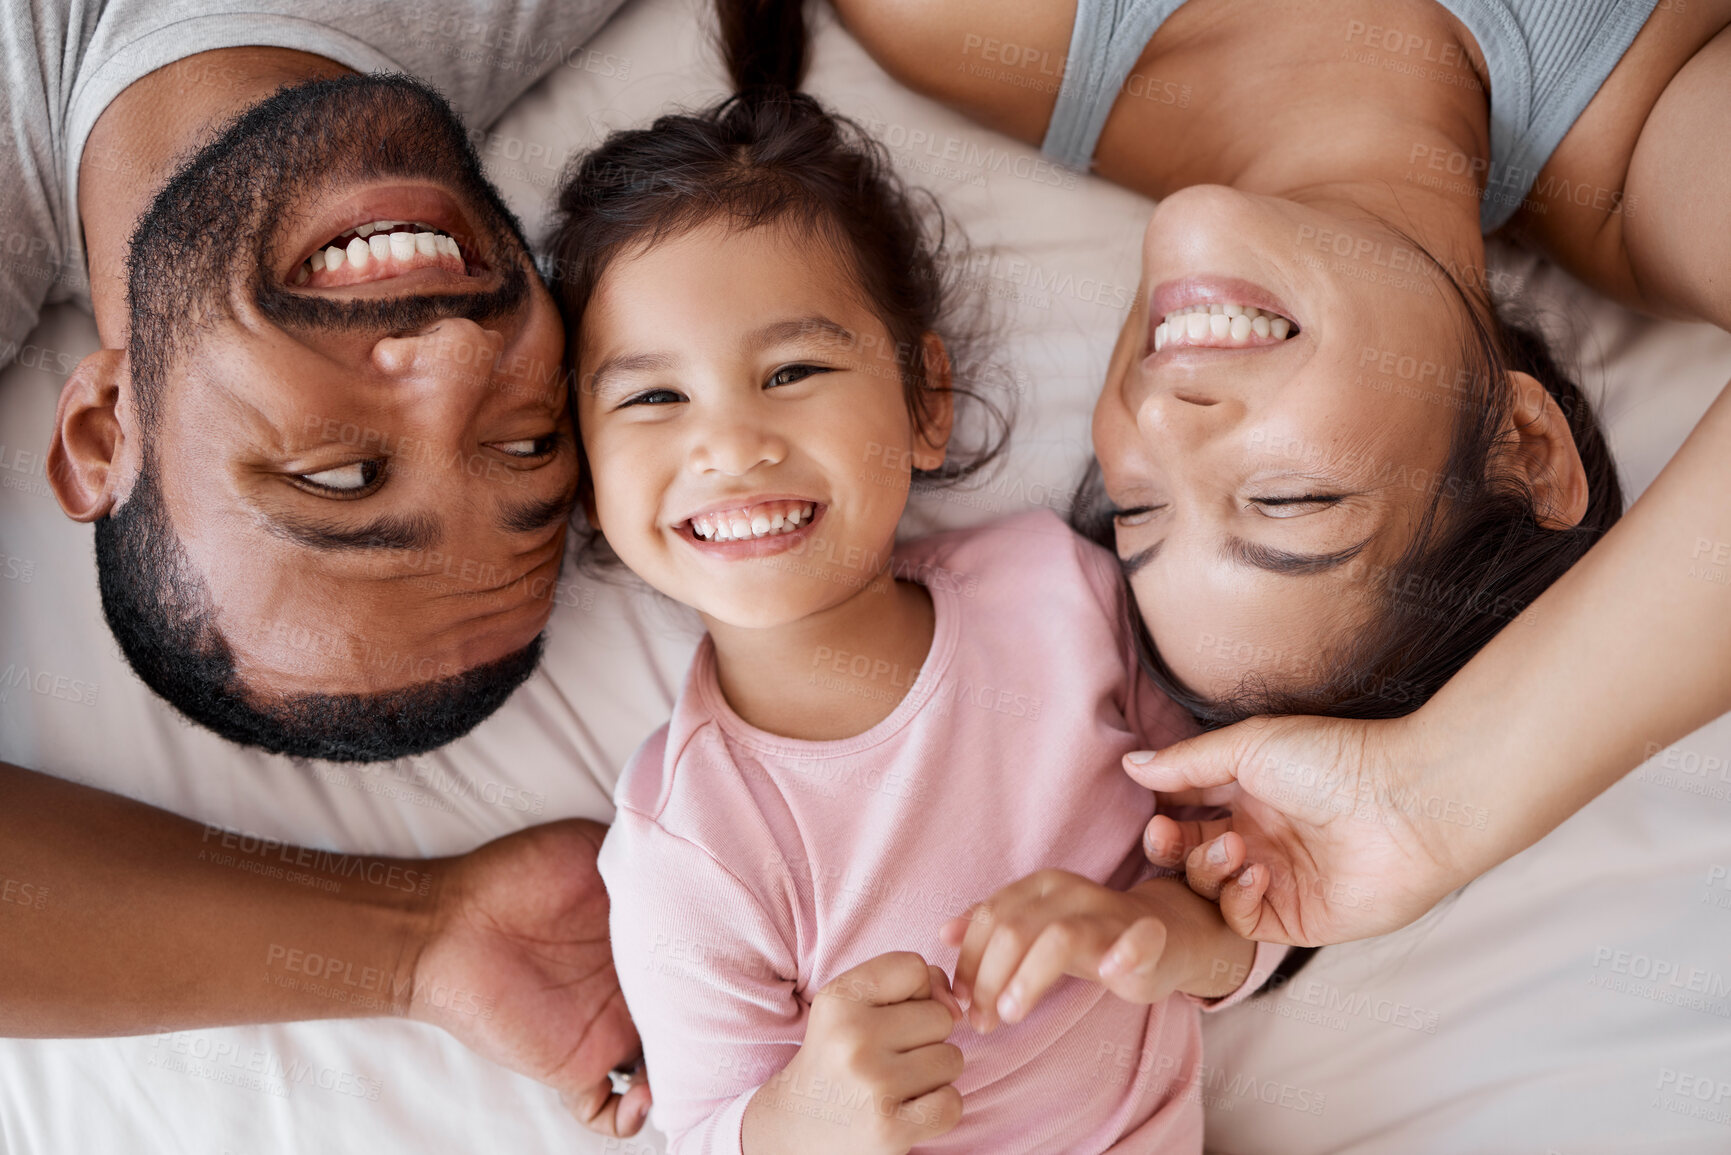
(586, 496)
(1540, 450)
(933, 436)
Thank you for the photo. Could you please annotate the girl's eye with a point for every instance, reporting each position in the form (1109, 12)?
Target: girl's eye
(1296, 506)
(790, 374)
(529, 447)
(652, 397)
(1137, 516)
(346, 480)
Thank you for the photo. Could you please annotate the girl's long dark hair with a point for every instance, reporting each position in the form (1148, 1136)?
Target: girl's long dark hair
(772, 156)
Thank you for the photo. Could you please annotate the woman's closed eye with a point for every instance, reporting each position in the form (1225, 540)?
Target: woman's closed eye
(1135, 515)
(344, 481)
(1294, 506)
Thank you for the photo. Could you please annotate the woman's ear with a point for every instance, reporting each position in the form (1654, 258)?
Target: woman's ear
(1541, 451)
(84, 458)
(932, 439)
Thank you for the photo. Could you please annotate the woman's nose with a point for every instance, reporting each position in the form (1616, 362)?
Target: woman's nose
(1187, 415)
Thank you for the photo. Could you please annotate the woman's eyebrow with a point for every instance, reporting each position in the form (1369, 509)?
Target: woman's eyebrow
(1282, 561)
(1262, 557)
(1137, 560)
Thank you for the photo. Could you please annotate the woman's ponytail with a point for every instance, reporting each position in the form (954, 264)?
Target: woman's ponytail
(763, 43)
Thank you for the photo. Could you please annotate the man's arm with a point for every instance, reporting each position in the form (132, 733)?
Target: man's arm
(117, 918)
(139, 919)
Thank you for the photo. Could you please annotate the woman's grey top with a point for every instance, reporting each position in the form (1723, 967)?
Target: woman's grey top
(1546, 59)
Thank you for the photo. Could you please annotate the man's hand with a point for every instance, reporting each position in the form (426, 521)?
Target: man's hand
(1334, 835)
(877, 1033)
(518, 967)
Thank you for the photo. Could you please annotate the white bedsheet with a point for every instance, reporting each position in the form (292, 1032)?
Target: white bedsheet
(1524, 1016)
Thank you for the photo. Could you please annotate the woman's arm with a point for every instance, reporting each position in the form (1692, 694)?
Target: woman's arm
(1630, 202)
(998, 62)
(117, 918)
(1356, 828)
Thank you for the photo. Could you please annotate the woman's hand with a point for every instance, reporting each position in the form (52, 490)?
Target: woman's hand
(875, 1038)
(1336, 833)
(1142, 944)
(518, 966)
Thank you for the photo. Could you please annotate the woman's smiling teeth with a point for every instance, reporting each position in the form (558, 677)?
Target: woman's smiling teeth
(1221, 327)
(765, 519)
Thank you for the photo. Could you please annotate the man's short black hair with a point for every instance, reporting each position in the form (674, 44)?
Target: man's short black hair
(161, 614)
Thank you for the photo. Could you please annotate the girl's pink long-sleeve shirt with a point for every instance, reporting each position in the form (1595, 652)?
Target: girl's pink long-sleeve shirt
(747, 870)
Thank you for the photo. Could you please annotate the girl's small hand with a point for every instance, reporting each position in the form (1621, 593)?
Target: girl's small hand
(1019, 942)
(876, 1039)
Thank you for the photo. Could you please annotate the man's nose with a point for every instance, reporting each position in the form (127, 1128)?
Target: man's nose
(448, 366)
(735, 445)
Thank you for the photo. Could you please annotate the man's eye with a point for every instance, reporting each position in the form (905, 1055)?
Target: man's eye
(347, 479)
(652, 397)
(789, 374)
(529, 447)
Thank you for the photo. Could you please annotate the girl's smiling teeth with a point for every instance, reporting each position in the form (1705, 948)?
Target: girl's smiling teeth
(1221, 327)
(763, 519)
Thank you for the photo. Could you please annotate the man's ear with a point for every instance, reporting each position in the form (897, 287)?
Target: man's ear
(84, 459)
(1541, 451)
(933, 438)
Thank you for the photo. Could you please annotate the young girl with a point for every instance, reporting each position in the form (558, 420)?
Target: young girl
(871, 738)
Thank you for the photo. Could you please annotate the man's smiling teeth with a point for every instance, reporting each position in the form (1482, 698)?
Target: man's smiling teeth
(378, 241)
(765, 519)
(1220, 327)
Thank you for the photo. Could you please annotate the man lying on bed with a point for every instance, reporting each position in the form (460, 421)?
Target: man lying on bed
(328, 397)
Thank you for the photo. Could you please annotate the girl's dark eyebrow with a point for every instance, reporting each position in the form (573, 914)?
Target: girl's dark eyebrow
(626, 363)
(771, 334)
(813, 325)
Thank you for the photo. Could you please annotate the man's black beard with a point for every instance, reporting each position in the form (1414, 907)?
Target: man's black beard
(214, 225)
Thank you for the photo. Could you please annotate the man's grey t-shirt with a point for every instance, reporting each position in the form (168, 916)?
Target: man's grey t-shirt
(65, 60)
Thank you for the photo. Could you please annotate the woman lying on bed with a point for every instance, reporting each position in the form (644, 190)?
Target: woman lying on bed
(1393, 476)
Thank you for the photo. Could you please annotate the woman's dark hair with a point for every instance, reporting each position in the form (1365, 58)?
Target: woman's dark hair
(771, 156)
(1478, 557)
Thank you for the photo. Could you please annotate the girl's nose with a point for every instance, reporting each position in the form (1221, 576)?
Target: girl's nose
(736, 448)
